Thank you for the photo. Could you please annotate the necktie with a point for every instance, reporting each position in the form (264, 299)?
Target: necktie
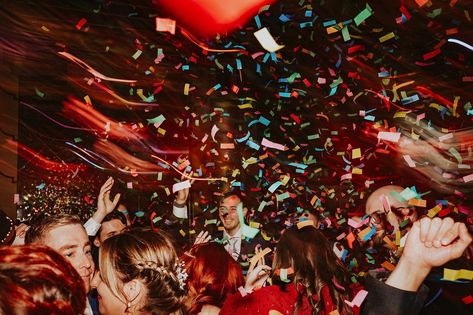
(233, 249)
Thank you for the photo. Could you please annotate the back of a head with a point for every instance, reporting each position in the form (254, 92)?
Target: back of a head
(314, 264)
(147, 256)
(42, 224)
(37, 280)
(212, 274)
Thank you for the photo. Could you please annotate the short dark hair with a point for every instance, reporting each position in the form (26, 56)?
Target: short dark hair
(114, 215)
(42, 224)
(229, 193)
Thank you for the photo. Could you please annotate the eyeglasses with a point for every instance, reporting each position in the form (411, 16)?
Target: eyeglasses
(378, 218)
(222, 210)
(400, 211)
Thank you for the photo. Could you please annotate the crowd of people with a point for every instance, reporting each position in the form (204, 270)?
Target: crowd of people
(57, 264)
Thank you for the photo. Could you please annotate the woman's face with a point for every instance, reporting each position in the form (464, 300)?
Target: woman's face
(109, 304)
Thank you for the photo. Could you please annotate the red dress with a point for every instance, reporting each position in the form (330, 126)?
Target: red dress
(275, 297)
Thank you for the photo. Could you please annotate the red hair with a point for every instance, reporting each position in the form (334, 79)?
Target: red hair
(37, 280)
(212, 274)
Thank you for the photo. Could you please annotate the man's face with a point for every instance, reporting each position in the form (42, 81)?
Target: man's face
(228, 214)
(72, 242)
(109, 229)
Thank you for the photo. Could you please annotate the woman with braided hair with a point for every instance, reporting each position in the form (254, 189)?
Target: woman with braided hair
(139, 274)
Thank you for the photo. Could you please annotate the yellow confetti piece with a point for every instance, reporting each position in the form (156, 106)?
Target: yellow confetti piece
(87, 100)
(186, 88)
(398, 238)
(137, 54)
(255, 224)
(305, 223)
(357, 171)
(453, 275)
(161, 131)
(400, 114)
(334, 313)
(356, 153)
(386, 37)
(433, 212)
(182, 232)
(455, 104)
(245, 106)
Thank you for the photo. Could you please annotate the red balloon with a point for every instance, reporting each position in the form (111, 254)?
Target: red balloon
(209, 17)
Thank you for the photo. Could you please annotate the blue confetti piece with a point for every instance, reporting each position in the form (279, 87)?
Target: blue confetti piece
(329, 23)
(284, 18)
(238, 64)
(253, 145)
(240, 140)
(298, 165)
(263, 120)
(410, 99)
(257, 21)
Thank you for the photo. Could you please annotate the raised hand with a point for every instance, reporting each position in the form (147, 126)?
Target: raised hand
(20, 232)
(433, 242)
(104, 204)
(202, 237)
(430, 243)
(257, 277)
(183, 194)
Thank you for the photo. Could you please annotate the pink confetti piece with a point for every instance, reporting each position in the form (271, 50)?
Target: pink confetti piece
(273, 145)
(165, 25)
(389, 136)
(468, 178)
(409, 160)
(358, 299)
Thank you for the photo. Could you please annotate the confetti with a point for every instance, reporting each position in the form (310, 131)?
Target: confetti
(266, 40)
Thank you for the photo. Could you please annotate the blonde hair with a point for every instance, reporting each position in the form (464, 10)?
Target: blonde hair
(147, 256)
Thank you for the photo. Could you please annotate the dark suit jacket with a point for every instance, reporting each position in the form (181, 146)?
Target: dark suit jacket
(247, 251)
(387, 300)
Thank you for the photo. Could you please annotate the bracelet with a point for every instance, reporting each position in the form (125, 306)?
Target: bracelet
(178, 205)
(244, 291)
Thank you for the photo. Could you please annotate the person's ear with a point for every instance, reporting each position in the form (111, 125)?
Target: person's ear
(132, 290)
(96, 241)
